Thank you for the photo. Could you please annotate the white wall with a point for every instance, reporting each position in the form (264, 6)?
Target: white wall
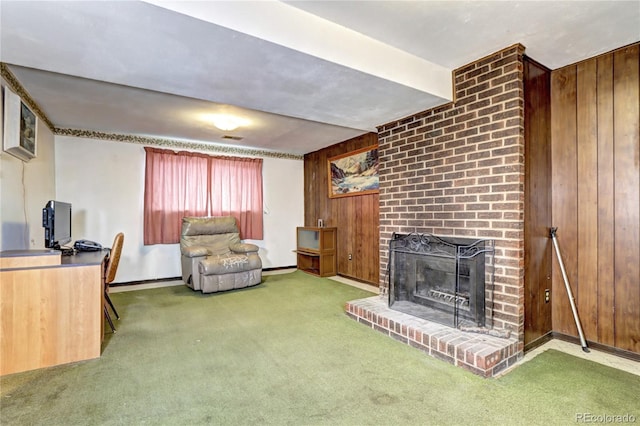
(104, 182)
(25, 188)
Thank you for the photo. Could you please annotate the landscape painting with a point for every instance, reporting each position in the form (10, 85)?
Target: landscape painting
(27, 130)
(354, 173)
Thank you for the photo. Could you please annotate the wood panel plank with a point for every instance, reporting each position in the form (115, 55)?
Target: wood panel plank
(359, 211)
(605, 329)
(371, 253)
(367, 231)
(627, 197)
(310, 188)
(564, 198)
(537, 201)
(348, 228)
(586, 286)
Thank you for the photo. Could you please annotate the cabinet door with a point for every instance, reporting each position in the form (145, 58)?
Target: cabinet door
(328, 252)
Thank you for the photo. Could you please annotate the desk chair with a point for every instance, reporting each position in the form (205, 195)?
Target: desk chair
(110, 275)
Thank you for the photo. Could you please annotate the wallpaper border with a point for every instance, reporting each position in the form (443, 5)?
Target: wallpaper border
(15, 85)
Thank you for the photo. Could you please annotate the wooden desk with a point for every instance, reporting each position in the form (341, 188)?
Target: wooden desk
(51, 308)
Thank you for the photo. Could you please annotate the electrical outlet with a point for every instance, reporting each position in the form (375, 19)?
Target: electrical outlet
(350, 256)
(547, 295)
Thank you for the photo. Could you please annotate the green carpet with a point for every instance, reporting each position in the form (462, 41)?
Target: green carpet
(285, 353)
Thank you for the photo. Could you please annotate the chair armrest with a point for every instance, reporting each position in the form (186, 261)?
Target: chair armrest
(195, 251)
(244, 248)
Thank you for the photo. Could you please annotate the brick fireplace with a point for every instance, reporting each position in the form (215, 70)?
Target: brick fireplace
(458, 170)
(442, 279)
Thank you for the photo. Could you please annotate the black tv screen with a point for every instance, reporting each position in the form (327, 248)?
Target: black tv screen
(56, 220)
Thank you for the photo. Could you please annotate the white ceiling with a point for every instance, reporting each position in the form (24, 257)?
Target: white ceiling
(306, 74)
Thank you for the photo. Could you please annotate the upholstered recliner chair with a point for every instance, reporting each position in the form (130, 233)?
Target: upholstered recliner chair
(214, 258)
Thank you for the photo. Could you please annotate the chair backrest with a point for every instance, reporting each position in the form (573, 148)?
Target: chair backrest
(114, 258)
(214, 233)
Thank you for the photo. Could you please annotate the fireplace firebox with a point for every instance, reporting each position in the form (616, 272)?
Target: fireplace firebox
(448, 280)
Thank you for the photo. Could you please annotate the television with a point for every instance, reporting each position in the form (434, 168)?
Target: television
(56, 220)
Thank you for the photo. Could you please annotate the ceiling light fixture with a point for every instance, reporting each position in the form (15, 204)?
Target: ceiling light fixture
(228, 122)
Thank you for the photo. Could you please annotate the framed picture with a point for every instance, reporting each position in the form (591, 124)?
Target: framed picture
(20, 124)
(354, 173)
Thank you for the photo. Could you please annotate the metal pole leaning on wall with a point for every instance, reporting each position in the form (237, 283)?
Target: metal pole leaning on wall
(583, 341)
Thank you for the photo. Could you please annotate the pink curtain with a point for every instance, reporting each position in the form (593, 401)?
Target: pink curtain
(236, 190)
(179, 184)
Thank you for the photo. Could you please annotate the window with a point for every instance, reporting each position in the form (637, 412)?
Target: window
(179, 184)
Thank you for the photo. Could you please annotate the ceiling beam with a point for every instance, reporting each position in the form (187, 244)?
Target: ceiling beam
(302, 31)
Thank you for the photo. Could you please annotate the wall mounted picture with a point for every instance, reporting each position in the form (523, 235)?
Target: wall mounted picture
(354, 173)
(20, 125)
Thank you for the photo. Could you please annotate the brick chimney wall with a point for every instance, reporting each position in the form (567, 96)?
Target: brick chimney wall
(458, 169)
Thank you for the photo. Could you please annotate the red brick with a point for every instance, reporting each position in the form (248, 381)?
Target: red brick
(459, 169)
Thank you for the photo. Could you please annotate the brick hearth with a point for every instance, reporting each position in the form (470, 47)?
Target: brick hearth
(481, 354)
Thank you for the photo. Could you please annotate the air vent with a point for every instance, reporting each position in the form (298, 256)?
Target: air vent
(235, 138)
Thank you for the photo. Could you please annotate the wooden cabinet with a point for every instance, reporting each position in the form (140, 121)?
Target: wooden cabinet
(316, 250)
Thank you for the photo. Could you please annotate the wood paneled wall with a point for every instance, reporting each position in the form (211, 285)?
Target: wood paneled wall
(356, 217)
(595, 122)
(537, 213)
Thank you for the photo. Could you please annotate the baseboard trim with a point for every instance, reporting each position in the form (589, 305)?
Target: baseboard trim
(538, 342)
(358, 279)
(279, 268)
(140, 282)
(598, 346)
(161, 280)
